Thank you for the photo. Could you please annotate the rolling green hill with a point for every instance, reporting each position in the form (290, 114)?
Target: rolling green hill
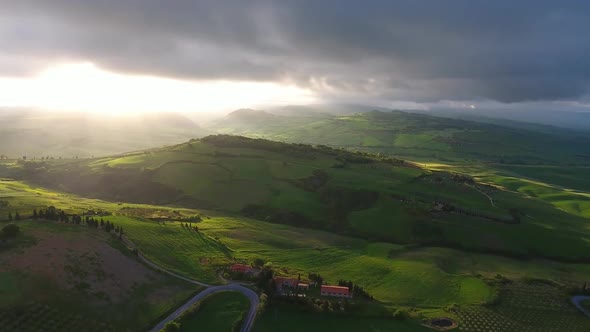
(368, 196)
(424, 238)
(417, 137)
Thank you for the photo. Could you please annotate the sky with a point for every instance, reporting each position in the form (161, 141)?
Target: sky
(148, 55)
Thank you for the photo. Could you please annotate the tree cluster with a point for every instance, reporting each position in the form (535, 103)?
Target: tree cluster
(16, 217)
(316, 277)
(190, 226)
(51, 213)
(266, 283)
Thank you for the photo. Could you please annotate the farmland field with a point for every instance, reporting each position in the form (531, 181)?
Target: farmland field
(219, 312)
(525, 307)
(76, 271)
(422, 277)
(287, 320)
(37, 317)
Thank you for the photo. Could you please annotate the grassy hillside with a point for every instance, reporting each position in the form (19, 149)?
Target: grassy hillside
(540, 162)
(366, 196)
(417, 137)
(426, 278)
(420, 236)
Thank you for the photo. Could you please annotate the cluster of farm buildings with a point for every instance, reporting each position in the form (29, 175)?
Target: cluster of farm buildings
(285, 284)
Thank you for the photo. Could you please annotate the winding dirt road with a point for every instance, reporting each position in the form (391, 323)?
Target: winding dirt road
(209, 290)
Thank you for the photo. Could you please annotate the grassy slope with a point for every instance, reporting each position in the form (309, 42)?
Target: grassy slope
(286, 321)
(554, 185)
(230, 178)
(427, 277)
(548, 156)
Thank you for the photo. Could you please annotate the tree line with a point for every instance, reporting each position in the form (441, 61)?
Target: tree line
(55, 214)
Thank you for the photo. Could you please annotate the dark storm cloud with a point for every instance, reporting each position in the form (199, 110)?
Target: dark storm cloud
(507, 51)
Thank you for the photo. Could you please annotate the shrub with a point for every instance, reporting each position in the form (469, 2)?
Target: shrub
(400, 314)
(10, 230)
(171, 327)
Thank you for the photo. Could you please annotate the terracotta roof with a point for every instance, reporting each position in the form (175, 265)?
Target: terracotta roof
(240, 268)
(335, 289)
(282, 281)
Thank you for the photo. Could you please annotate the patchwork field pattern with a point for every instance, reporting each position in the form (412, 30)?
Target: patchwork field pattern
(38, 317)
(525, 307)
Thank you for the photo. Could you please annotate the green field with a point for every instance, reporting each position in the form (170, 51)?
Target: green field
(394, 274)
(219, 312)
(288, 320)
(525, 307)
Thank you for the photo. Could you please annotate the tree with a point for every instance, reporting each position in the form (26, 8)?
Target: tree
(9, 216)
(258, 262)
(16, 216)
(35, 215)
(400, 314)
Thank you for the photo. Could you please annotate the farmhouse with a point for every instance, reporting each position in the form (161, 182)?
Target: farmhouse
(243, 268)
(289, 283)
(336, 291)
(302, 286)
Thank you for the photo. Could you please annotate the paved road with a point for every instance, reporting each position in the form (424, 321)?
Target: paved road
(246, 325)
(577, 301)
(209, 290)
